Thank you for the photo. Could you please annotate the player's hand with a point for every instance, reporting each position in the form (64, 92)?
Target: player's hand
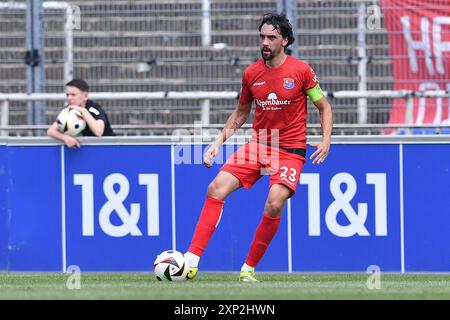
(71, 142)
(74, 106)
(209, 156)
(321, 153)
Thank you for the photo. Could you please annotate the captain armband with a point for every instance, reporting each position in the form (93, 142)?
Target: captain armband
(315, 93)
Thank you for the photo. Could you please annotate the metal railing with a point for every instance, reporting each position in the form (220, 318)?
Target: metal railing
(204, 107)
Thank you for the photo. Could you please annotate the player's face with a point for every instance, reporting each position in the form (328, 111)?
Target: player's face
(271, 42)
(75, 96)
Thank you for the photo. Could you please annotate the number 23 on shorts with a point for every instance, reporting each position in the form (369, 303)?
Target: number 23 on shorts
(288, 173)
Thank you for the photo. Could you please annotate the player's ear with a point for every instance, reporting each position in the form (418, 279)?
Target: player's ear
(285, 42)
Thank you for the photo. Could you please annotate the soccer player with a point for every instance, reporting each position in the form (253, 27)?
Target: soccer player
(279, 84)
(97, 123)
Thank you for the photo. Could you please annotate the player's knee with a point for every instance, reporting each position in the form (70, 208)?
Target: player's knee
(215, 190)
(274, 207)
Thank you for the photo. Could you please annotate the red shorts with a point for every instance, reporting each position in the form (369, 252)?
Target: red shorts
(251, 161)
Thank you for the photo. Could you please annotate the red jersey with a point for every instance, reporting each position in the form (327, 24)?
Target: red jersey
(280, 98)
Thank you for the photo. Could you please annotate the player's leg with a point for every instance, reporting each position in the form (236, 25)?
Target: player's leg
(224, 184)
(285, 173)
(236, 172)
(266, 230)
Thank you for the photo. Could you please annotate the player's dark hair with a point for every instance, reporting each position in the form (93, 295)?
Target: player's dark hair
(78, 83)
(281, 23)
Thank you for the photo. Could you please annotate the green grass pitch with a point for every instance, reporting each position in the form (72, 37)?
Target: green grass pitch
(224, 286)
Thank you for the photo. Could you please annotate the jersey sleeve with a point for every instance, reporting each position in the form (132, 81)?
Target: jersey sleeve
(97, 113)
(245, 96)
(310, 79)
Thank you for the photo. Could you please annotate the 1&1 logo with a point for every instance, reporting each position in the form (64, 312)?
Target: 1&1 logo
(115, 205)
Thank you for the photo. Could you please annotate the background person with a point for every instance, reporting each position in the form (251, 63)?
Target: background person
(97, 123)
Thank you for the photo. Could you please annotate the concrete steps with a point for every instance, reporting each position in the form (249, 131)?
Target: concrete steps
(116, 35)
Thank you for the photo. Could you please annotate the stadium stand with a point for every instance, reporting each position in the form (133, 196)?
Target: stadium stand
(148, 45)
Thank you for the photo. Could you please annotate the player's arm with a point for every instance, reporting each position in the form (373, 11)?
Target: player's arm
(234, 122)
(97, 126)
(69, 141)
(326, 122)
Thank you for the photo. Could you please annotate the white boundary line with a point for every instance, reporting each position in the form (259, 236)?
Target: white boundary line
(63, 211)
(289, 234)
(402, 220)
(172, 171)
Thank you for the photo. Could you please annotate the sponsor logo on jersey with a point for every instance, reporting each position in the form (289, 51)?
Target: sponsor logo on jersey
(288, 83)
(259, 83)
(272, 102)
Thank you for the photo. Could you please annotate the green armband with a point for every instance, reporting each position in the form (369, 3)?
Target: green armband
(315, 93)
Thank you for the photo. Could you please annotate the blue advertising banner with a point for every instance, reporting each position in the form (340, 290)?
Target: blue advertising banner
(346, 213)
(427, 207)
(34, 208)
(115, 207)
(118, 206)
(4, 178)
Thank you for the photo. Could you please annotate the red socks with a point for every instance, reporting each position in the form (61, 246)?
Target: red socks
(263, 236)
(209, 219)
(206, 225)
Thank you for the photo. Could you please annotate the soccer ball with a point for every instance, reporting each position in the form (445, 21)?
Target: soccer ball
(171, 265)
(71, 121)
(61, 119)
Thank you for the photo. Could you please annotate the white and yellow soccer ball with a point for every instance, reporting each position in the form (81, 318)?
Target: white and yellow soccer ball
(71, 122)
(171, 265)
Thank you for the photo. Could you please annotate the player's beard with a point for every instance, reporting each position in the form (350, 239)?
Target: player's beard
(266, 56)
